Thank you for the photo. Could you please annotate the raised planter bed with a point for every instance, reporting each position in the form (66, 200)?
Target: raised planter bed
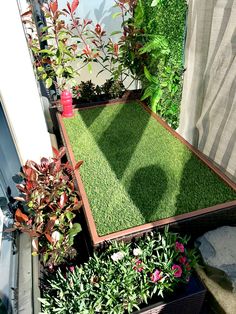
(188, 300)
(139, 174)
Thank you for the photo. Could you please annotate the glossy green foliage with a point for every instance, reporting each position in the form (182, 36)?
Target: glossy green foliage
(154, 43)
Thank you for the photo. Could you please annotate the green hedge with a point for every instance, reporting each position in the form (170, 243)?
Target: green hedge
(159, 27)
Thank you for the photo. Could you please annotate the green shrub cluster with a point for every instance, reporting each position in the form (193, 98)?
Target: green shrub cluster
(153, 51)
(168, 20)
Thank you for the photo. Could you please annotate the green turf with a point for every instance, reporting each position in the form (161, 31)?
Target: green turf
(135, 171)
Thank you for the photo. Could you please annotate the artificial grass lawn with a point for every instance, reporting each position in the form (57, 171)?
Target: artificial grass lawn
(135, 171)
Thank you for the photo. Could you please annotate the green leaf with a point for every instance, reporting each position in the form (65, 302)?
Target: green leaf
(115, 33)
(154, 101)
(90, 67)
(43, 301)
(139, 14)
(149, 91)
(114, 15)
(40, 69)
(157, 42)
(47, 51)
(48, 82)
(69, 70)
(69, 215)
(47, 37)
(150, 78)
(75, 230)
(61, 46)
(59, 71)
(155, 3)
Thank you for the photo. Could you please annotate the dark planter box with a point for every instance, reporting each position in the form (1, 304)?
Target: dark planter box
(194, 223)
(187, 301)
(104, 99)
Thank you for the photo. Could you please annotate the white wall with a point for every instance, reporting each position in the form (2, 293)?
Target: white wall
(99, 11)
(18, 88)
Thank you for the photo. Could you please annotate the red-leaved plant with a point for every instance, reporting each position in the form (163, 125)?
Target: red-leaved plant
(47, 207)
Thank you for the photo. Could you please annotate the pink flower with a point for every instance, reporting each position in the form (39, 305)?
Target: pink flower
(87, 50)
(188, 267)
(98, 29)
(71, 268)
(182, 259)
(138, 266)
(116, 49)
(156, 276)
(178, 271)
(87, 21)
(179, 247)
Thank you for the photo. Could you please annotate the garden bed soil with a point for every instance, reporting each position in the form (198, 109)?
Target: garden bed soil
(117, 139)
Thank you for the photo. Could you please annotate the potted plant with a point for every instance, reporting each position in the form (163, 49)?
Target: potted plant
(47, 209)
(53, 61)
(129, 277)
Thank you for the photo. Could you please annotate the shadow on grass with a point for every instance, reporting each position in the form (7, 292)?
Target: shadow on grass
(147, 188)
(123, 133)
(90, 118)
(119, 141)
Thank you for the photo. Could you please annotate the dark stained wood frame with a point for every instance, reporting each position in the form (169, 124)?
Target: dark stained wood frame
(134, 231)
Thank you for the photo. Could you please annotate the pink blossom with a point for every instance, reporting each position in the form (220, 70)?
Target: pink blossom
(178, 271)
(182, 259)
(71, 268)
(116, 49)
(87, 50)
(179, 247)
(188, 267)
(138, 266)
(156, 276)
(87, 21)
(98, 29)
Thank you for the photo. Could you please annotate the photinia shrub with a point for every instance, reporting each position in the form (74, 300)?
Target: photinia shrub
(47, 207)
(123, 277)
(88, 92)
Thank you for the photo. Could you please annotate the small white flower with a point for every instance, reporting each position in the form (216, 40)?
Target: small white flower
(55, 236)
(117, 256)
(137, 252)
